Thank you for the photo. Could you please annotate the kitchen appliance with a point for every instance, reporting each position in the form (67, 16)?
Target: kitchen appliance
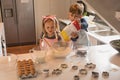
(19, 22)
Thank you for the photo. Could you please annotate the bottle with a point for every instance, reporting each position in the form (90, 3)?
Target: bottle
(73, 27)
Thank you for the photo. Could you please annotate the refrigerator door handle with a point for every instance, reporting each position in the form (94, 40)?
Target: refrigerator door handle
(15, 17)
(15, 13)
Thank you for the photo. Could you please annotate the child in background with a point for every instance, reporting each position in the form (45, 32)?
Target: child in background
(50, 31)
(84, 12)
(75, 13)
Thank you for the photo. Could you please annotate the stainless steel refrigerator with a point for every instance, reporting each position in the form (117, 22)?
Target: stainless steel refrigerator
(19, 22)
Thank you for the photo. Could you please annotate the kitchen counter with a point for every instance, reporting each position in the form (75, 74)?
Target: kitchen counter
(104, 56)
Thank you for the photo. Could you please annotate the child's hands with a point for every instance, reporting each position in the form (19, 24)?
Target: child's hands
(74, 35)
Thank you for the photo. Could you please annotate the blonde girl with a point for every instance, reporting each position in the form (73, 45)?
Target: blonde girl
(50, 31)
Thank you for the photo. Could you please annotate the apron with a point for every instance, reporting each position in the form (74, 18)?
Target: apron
(47, 43)
(83, 38)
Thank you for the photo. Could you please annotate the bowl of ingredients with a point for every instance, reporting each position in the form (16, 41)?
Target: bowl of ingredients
(61, 49)
(115, 44)
(38, 54)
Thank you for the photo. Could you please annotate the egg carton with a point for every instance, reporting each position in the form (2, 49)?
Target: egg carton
(26, 69)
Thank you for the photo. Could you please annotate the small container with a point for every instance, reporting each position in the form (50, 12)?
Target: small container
(95, 74)
(83, 71)
(39, 56)
(64, 66)
(81, 53)
(90, 66)
(76, 77)
(105, 74)
(46, 72)
(74, 67)
(56, 72)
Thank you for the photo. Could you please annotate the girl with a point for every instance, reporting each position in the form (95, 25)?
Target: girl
(50, 31)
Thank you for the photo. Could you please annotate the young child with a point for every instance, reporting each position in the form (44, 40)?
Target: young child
(75, 13)
(50, 31)
(84, 12)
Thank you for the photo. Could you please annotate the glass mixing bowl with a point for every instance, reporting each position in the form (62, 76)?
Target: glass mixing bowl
(61, 49)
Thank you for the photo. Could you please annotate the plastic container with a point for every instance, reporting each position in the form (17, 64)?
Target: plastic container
(39, 55)
(73, 27)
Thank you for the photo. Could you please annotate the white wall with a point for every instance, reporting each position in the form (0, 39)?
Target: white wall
(45, 7)
(59, 7)
(41, 8)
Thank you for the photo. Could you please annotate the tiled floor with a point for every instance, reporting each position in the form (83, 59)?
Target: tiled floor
(19, 49)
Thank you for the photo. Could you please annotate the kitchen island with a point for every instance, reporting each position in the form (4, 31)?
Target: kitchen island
(103, 56)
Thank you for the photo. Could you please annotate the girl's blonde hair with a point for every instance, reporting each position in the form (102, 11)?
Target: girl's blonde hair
(50, 18)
